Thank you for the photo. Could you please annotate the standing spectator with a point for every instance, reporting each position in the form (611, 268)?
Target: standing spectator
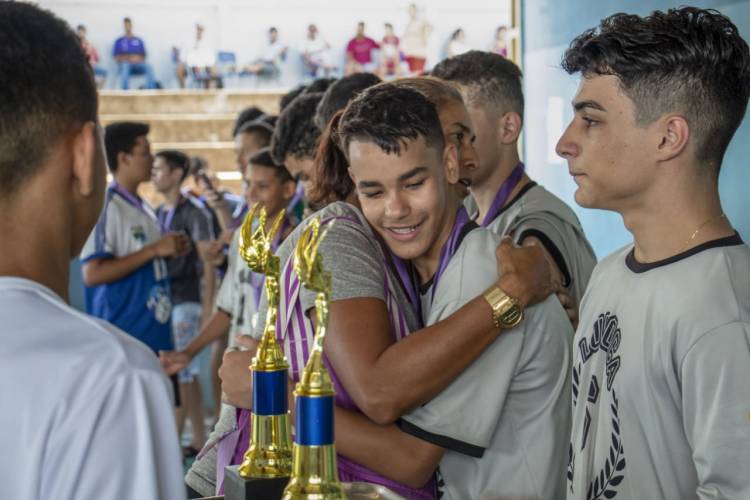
(124, 267)
(273, 55)
(316, 54)
(130, 54)
(390, 53)
(359, 52)
(183, 214)
(414, 41)
(85, 406)
(457, 44)
(500, 43)
(100, 74)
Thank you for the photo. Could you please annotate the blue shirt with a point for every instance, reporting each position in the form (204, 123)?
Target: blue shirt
(138, 303)
(127, 46)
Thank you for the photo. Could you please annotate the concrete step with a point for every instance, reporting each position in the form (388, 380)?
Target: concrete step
(135, 102)
(173, 127)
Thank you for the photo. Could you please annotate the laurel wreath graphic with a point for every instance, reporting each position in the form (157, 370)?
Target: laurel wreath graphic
(612, 473)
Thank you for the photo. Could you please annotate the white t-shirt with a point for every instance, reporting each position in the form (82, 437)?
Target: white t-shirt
(236, 295)
(87, 410)
(505, 420)
(661, 378)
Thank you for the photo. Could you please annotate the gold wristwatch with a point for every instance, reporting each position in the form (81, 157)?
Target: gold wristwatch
(506, 311)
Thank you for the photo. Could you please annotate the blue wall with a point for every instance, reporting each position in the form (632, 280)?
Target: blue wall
(548, 28)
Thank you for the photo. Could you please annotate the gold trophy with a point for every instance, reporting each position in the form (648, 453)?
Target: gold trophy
(269, 454)
(314, 471)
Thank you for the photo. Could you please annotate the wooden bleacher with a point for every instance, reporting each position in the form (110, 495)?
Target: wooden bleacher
(197, 122)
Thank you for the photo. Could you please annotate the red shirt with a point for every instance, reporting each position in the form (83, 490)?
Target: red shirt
(361, 49)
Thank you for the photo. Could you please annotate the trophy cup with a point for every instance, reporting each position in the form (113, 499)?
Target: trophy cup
(267, 463)
(314, 471)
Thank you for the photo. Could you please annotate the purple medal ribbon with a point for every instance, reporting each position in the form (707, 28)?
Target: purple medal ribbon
(503, 193)
(130, 197)
(166, 216)
(406, 271)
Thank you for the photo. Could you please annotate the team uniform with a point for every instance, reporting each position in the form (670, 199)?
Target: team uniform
(138, 303)
(504, 421)
(661, 400)
(191, 218)
(236, 296)
(76, 391)
(534, 211)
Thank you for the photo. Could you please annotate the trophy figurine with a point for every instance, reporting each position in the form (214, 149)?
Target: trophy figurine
(314, 471)
(269, 454)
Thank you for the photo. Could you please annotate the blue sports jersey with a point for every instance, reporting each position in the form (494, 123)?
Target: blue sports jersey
(126, 46)
(138, 303)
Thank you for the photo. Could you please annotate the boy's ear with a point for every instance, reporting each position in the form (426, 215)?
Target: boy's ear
(509, 127)
(450, 161)
(84, 159)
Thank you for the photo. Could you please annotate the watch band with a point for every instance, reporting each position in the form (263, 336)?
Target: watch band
(506, 311)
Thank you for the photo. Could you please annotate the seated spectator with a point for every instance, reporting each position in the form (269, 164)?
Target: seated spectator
(273, 55)
(359, 50)
(130, 54)
(500, 43)
(316, 54)
(390, 54)
(457, 44)
(199, 60)
(100, 74)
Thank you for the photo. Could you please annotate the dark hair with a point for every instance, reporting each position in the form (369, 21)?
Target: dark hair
(246, 115)
(454, 35)
(176, 159)
(490, 80)
(295, 133)
(273, 28)
(262, 130)
(46, 89)
(197, 163)
(319, 85)
(126, 20)
(270, 119)
(340, 93)
(263, 158)
(387, 115)
(686, 60)
(287, 98)
(119, 137)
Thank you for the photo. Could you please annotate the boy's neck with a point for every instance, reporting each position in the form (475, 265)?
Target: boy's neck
(484, 194)
(173, 196)
(672, 220)
(427, 264)
(128, 184)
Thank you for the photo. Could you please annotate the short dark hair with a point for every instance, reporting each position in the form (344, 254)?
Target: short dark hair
(319, 85)
(197, 163)
(263, 158)
(260, 128)
(388, 115)
(119, 137)
(46, 89)
(126, 20)
(340, 93)
(287, 98)
(437, 91)
(176, 159)
(686, 60)
(246, 115)
(270, 119)
(295, 133)
(490, 80)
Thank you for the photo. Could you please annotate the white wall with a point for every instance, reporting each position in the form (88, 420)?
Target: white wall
(241, 26)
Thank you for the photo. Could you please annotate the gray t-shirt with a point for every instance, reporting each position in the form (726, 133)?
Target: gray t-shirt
(185, 271)
(504, 421)
(534, 211)
(352, 254)
(661, 399)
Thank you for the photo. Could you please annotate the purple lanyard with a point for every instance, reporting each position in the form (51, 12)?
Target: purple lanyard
(166, 216)
(406, 271)
(503, 193)
(129, 197)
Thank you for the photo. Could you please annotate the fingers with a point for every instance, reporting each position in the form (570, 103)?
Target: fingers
(503, 255)
(246, 341)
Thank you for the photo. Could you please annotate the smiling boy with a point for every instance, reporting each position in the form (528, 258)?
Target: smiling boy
(660, 368)
(498, 428)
